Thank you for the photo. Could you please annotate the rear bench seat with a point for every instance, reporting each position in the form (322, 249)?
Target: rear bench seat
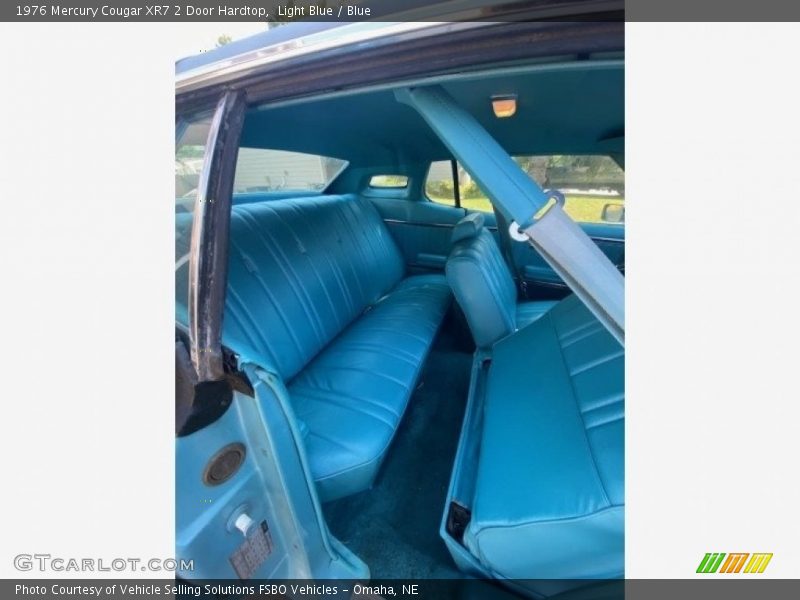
(317, 292)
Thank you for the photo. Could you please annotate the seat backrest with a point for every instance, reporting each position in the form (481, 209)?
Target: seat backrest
(481, 282)
(300, 270)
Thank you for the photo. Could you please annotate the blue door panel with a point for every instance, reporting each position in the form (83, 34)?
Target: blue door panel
(601, 230)
(421, 229)
(204, 531)
(489, 219)
(271, 487)
(540, 281)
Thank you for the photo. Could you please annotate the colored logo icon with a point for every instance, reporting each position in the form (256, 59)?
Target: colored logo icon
(737, 562)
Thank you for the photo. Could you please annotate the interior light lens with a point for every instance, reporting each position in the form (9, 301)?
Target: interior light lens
(504, 106)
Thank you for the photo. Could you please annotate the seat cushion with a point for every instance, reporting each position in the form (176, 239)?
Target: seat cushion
(351, 398)
(528, 312)
(549, 490)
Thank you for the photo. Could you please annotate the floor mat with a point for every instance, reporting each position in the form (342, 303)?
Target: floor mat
(394, 527)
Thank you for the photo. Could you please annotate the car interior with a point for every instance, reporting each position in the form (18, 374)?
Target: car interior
(460, 412)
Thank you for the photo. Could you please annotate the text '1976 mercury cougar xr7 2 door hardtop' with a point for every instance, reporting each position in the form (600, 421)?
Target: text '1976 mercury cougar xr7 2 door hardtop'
(400, 333)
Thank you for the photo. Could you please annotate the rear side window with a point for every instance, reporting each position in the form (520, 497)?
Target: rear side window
(263, 170)
(593, 186)
(440, 186)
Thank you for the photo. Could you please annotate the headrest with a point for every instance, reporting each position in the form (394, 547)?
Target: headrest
(468, 227)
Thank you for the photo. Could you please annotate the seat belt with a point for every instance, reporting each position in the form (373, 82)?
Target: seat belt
(560, 241)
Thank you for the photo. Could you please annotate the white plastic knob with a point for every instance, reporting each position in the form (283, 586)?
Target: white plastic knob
(243, 523)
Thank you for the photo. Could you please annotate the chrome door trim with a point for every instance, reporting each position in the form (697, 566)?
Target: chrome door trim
(418, 223)
(425, 224)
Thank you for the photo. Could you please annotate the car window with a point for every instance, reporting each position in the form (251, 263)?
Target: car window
(439, 185)
(440, 188)
(388, 181)
(190, 147)
(264, 170)
(593, 186)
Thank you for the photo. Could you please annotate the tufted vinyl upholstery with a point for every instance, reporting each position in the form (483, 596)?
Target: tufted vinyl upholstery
(352, 396)
(483, 286)
(300, 271)
(549, 499)
(316, 292)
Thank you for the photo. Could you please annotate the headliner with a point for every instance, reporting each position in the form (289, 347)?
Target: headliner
(572, 108)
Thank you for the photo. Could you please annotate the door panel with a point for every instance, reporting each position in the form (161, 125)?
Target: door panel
(256, 517)
(421, 229)
(541, 282)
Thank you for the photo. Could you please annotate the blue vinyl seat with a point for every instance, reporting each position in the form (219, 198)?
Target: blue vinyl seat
(548, 488)
(317, 293)
(483, 286)
(549, 495)
(353, 394)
